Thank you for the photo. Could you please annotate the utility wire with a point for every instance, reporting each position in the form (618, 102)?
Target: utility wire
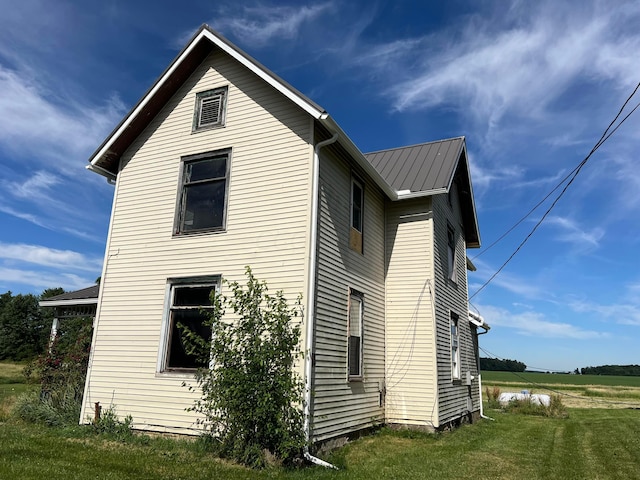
(574, 173)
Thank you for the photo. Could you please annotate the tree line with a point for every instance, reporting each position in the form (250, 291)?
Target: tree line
(496, 364)
(24, 326)
(623, 370)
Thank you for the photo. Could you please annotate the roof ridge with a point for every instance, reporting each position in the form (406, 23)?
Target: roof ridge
(416, 145)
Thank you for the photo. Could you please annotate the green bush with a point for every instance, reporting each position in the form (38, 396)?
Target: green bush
(251, 399)
(110, 425)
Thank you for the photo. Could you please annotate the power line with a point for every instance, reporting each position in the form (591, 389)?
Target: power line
(574, 173)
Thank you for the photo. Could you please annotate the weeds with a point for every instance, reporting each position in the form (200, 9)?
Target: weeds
(555, 409)
(110, 425)
(493, 394)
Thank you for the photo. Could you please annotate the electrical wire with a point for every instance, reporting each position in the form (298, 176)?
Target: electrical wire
(557, 392)
(572, 176)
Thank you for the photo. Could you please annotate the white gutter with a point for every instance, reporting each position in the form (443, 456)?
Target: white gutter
(311, 298)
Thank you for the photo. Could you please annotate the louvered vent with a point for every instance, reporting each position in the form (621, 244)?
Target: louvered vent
(210, 108)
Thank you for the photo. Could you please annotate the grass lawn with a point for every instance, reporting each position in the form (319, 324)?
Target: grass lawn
(591, 443)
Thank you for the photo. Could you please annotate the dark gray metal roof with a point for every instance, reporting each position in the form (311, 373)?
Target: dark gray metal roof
(427, 167)
(86, 295)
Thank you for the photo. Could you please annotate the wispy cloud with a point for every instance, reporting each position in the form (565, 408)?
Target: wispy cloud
(49, 257)
(261, 24)
(572, 233)
(42, 280)
(36, 125)
(533, 323)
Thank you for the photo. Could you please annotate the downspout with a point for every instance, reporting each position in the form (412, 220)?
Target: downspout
(482, 415)
(311, 298)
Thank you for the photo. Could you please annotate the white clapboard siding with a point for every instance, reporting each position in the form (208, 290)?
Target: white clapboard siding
(339, 406)
(410, 354)
(267, 228)
(456, 399)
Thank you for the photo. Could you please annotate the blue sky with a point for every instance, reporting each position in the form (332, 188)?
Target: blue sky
(532, 86)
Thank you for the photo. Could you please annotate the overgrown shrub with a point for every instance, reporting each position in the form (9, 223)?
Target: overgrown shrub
(61, 373)
(527, 406)
(251, 399)
(109, 424)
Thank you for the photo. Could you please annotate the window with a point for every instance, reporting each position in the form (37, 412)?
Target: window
(451, 254)
(189, 305)
(357, 218)
(455, 347)
(356, 310)
(203, 192)
(210, 109)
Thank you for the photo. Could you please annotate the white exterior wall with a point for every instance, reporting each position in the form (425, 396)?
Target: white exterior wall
(267, 228)
(410, 354)
(341, 406)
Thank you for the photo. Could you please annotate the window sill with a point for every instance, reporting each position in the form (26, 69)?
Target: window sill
(207, 231)
(207, 128)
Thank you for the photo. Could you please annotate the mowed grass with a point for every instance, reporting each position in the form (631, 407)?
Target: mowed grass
(12, 384)
(589, 444)
(580, 391)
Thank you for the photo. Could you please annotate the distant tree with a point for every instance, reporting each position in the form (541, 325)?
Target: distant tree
(622, 370)
(496, 364)
(51, 292)
(23, 330)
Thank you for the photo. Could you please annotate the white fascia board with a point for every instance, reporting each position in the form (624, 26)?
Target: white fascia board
(478, 321)
(287, 92)
(62, 303)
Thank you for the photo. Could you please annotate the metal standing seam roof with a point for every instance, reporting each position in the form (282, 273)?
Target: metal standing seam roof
(427, 167)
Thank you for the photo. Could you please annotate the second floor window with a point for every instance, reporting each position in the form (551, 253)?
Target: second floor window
(203, 192)
(357, 217)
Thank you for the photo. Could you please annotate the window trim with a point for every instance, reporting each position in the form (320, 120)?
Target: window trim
(167, 320)
(452, 273)
(353, 293)
(356, 236)
(223, 92)
(454, 339)
(178, 225)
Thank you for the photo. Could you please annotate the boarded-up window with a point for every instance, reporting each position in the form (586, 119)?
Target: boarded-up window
(203, 193)
(455, 347)
(451, 254)
(356, 313)
(189, 308)
(210, 109)
(357, 217)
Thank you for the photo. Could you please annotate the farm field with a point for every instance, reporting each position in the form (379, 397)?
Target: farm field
(578, 391)
(592, 443)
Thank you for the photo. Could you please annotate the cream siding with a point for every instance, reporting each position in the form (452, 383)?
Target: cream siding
(410, 352)
(267, 215)
(341, 406)
(455, 398)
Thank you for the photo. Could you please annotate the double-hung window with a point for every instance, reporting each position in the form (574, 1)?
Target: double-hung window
(210, 109)
(357, 217)
(203, 192)
(189, 306)
(455, 347)
(451, 254)
(354, 326)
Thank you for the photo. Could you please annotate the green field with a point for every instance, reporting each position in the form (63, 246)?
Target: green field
(590, 443)
(560, 379)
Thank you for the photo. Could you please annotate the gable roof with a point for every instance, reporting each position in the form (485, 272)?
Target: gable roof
(105, 160)
(429, 169)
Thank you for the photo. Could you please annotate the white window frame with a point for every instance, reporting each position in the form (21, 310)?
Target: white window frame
(184, 184)
(355, 295)
(219, 94)
(451, 254)
(454, 330)
(168, 321)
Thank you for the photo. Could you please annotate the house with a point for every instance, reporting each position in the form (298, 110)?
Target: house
(223, 164)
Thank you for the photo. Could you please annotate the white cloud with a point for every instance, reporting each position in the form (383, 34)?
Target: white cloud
(572, 233)
(49, 257)
(34, 125)
(535, 324)
(42, 280)
(259, 25)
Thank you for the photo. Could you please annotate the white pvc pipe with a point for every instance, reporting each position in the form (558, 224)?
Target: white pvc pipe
(311, 295)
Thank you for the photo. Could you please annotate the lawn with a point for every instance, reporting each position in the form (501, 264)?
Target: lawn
(590, 444)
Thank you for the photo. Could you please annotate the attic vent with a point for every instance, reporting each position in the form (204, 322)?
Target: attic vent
(210, 109)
